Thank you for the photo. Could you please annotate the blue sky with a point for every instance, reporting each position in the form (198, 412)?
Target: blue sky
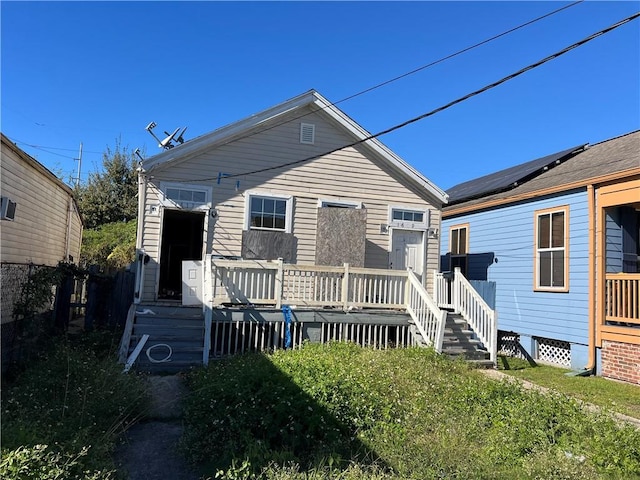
(99, 72)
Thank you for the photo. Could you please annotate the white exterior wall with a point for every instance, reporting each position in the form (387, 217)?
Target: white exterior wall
(344, 175)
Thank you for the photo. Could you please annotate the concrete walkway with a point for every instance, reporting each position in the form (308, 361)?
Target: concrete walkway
(150, 449)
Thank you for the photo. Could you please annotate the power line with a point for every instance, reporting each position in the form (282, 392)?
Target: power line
(448, 105)
(459, 52)
(415, 70)
(42, 147)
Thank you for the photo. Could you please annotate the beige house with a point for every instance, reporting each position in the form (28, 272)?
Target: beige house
(40, 224)
(300, 181)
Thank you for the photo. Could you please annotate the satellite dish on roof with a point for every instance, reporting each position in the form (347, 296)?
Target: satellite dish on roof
(166, 143)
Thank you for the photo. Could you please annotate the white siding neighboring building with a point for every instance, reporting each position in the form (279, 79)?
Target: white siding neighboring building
(46, 227)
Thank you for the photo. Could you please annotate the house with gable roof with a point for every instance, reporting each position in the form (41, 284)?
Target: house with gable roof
(559, 238)
(300, 181)
(295, 207)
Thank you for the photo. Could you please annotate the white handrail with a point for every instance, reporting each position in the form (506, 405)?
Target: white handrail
(428, 318)
(481, 318)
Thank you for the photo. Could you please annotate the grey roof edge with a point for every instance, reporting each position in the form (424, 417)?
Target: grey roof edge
(631, 140)
(509, 178)
(199, 144)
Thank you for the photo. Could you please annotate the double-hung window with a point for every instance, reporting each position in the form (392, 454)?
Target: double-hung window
(552, 249)
(459, 247)
(269, 212)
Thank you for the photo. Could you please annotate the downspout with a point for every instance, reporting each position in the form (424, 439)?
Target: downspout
(142, 199)
(591, 199)
(67, 247)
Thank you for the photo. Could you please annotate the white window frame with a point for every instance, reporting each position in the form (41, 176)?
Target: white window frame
(288, 223)
(564, 249)
(327, 202)
(407, 224)
(185, 205)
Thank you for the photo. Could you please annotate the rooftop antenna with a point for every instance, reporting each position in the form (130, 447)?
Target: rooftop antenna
(137, 152)
(170, 137)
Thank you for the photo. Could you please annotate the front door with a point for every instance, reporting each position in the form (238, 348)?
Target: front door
(406, 250)
(192, 282)
(182, 239)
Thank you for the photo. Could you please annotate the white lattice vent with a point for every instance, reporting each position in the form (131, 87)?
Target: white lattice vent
(554, 351)
(307, 133)
(509, 345)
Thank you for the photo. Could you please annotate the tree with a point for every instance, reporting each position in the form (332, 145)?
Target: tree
(111, 195)
(111, 245)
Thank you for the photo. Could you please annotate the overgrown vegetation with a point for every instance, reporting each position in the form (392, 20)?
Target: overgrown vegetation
(111, 245)
(111, 195)
(109, 206)
(340, 411)
(617, 396)
(62, 416)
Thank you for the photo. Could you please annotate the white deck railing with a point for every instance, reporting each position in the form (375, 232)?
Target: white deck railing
(276, 283)
(261, 282)
(458, 294)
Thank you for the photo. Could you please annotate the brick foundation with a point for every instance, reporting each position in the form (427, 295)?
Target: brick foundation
(621, 361)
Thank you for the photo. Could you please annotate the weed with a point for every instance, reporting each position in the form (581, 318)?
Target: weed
(344, 412)
(71, 400)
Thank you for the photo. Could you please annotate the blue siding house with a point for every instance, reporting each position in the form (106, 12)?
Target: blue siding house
(558, 237)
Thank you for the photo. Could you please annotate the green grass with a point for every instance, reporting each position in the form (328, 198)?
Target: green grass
(61, 417)
(617, 396)
(338, 411)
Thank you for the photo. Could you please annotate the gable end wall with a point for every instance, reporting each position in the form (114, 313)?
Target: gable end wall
(344, 175)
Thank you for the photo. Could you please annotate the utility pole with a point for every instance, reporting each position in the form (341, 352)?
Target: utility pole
(79, 166)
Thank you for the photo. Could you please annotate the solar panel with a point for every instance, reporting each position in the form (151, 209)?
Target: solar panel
(507, 178)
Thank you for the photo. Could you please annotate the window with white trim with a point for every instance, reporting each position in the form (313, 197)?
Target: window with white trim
(552, 249)
(401, 217)
(185, 196)
(268, 212)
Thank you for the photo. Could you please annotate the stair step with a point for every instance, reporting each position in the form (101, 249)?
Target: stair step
(176, 357)
(154, 311)
(170, 321)
(461, 343)
(175, 342)
(483, 364)
(164, 331)
(467, 355)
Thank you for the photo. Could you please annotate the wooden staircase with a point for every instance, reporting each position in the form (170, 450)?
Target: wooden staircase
(460, 341)
(175, 342)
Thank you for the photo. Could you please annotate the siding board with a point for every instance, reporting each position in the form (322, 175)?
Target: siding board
(508, 232)
(350, 174)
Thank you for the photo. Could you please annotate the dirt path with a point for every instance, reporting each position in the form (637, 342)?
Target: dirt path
(150, 449)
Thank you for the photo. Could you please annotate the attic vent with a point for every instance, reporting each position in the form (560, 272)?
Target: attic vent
(307, 133)
(7, 209)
